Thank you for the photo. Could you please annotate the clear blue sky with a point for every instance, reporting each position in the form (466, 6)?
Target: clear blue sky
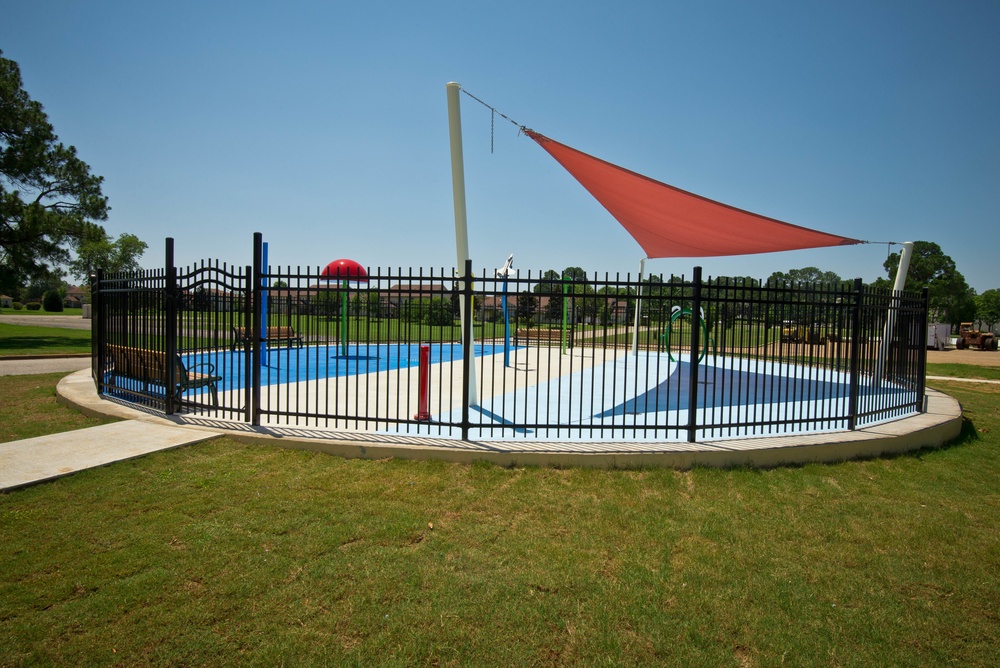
(324, 126)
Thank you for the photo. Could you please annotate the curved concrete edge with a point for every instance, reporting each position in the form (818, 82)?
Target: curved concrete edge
(940, 424)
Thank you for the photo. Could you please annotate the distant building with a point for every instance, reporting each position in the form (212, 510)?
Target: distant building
(75, 296)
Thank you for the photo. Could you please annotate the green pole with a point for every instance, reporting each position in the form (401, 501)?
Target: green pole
(564, 330)
(343, 320)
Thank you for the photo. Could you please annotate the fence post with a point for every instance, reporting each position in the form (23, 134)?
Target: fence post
(467, 357)
(170, 335)
(855, 382)
(254, 332)
(248, 402)
(922, 357)
(97, 326)
(692, 427)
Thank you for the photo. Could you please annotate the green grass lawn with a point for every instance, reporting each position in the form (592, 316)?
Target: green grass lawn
(225, 553)
(30, 409)
(30, 340)
(964, 371)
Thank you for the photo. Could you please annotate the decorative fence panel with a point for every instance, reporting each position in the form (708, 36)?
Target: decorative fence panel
(540, 356)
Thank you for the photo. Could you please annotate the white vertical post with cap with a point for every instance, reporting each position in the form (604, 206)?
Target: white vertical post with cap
(461, 222)
(890, 322)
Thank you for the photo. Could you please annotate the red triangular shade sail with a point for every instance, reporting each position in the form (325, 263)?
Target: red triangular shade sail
(670, 222)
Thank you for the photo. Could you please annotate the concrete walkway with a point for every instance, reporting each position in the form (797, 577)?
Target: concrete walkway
(35, 460)
(964, 380)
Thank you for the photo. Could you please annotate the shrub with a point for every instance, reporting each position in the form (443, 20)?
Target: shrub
(33, 306)
(17, 306)
(52, 301)
(439, 312)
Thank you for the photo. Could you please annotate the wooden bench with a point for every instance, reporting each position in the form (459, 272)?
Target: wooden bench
(149, 367)
(540, 334)
(241, 336)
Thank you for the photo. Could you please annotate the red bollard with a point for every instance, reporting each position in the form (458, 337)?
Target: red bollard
(424, 403)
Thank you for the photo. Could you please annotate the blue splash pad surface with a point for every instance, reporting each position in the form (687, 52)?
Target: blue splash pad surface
(731, 387)
(656, 393)
(293, 365)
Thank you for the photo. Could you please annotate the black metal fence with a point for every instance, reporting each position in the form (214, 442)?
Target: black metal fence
(540, 356)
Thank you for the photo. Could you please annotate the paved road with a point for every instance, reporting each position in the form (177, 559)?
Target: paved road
(64, 321)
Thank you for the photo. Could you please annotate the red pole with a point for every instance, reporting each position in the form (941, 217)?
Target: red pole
(424, 403)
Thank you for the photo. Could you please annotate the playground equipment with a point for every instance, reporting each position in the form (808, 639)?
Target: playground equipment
(676, 313)
(503, 273)
(345, 271)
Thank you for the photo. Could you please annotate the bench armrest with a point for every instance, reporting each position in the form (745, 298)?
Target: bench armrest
(194, 368)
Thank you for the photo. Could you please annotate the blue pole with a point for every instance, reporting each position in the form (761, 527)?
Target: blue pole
(264, 283)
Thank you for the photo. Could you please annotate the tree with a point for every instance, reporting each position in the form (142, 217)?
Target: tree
(988, 307)
(49, 200)
(951, 299)
(549, 283)
(52, 301)
(526, 305)
(41, 284)
(100, 252)
(805, 275)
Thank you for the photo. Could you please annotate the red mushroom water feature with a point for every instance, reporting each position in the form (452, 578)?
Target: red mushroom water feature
(345, 271)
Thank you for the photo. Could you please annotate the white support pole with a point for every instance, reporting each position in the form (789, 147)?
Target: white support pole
(458, 192)
(638, 310)
(890, 321)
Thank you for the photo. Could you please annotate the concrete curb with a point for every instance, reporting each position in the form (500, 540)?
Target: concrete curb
(940, 424)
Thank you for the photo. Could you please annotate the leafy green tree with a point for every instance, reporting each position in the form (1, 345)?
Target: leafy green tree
(988, 307)
(438, 311)
(951, 299)
(100, 252)
(549, 283)
(526, 306)
(49, 200)
(553, 308)
(805, 275)
(327, 302)
(583, 305)
(735, 298)
(608, 298)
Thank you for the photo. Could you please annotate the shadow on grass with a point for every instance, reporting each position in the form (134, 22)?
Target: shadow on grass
(969, 435)
(23, 344)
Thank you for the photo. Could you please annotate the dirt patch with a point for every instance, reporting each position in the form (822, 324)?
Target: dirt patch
(967, 356)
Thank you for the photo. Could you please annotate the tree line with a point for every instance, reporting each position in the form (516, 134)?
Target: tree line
(950, 298)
